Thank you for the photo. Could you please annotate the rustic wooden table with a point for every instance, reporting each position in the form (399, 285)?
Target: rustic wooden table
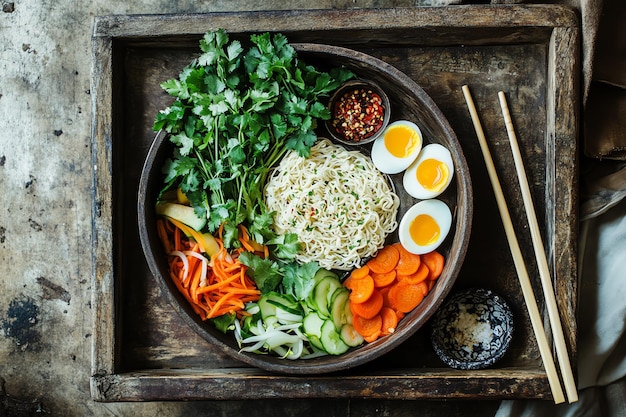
(84, 324)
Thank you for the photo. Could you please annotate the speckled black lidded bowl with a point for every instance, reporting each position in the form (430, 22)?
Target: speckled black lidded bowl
(473, 329)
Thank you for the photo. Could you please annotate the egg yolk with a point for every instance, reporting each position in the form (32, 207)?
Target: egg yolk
(432, 174)
(424, 230)
(401, 141)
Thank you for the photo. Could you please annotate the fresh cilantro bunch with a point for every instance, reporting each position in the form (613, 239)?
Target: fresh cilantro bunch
(236, 113)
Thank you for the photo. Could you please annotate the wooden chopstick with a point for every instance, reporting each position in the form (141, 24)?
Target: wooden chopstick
(544, 271)
(522, 273)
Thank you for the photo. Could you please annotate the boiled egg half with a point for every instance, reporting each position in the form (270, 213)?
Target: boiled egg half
(424, 226)
(397, 147)
(430, 174)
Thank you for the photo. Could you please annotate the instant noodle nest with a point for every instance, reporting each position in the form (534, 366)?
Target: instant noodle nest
(408, 101)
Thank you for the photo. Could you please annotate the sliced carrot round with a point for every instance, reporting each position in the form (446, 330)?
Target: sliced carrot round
(408, 262)
(370, 307)
(424, 287)
(389, 321)
(405, 297)
(360, 272)
(383, 280)
(373, 337)
(419, 276)
(367, 327)
(385, 260)
(385, 293)
(435, 262)
(360, 289)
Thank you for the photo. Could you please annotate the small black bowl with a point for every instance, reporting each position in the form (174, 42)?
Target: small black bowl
(473, 329)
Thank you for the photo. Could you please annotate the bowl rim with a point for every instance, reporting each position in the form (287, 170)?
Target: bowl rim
(362, 354)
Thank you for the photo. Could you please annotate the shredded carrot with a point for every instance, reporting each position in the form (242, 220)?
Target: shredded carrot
(214, 286)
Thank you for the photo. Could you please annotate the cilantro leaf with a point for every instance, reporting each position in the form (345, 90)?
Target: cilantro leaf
(236, 112)
(264, 272)
(298, 280)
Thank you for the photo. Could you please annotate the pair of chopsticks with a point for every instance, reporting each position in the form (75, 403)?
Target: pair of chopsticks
(546, 282)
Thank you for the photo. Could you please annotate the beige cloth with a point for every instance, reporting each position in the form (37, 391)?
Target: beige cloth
(603, 125)
(604, 118)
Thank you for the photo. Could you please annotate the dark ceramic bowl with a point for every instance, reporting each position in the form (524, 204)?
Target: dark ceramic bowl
(473, 329)
(347, 90)
(416, 105)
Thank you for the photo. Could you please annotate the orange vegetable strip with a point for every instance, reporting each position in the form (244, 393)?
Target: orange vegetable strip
(360, 289)
(184, 292)
(435, 262)
(390, 321)
(218, 304)
(218, 284)
(370, 307)
(177, 243)
(383, 280)
(367, 327)
(163, 235)
(385, 260)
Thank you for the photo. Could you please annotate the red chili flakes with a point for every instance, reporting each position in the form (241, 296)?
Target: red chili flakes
(358, 114)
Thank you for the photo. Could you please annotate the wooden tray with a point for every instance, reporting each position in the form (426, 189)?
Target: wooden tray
(143, 351)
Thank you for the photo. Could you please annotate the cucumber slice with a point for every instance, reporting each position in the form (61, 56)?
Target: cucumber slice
(312, 324)
(312, 327)
(316, 343)
(285, 302)
(323, 293)
(350, 336)
(266, 308)
(338, 307)
(331, 339)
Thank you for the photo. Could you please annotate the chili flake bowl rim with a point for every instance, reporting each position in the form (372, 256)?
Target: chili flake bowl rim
(340, 91)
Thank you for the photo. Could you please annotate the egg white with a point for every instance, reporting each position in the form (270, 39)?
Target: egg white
(409, 180)
(388, 163)
(439, 211)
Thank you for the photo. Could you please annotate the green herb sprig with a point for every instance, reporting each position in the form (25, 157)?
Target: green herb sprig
(235, 114)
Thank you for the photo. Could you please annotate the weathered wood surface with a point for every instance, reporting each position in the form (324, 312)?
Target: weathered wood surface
(529, 52)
